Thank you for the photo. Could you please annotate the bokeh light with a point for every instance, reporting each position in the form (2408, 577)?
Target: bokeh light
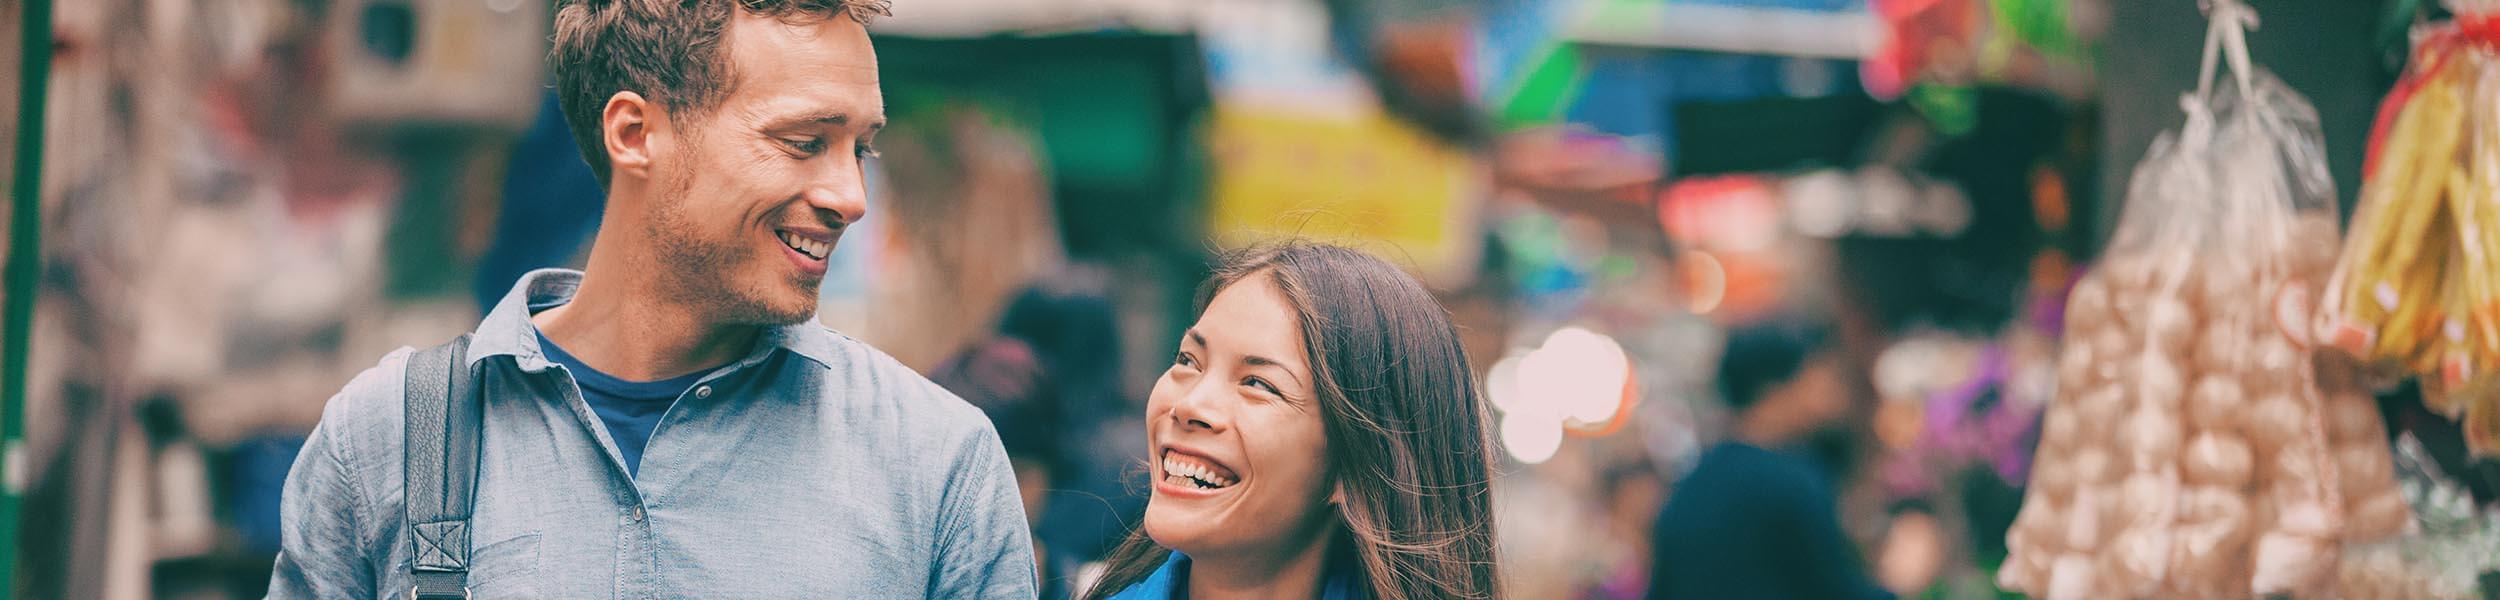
(1531, 437)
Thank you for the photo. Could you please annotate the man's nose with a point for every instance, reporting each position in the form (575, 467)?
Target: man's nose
(840, 193)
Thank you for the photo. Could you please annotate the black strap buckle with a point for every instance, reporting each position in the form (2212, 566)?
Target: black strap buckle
(417, 592)
(439, 585)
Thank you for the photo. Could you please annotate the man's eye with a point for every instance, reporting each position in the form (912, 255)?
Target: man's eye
(807, 146)
(863, 150)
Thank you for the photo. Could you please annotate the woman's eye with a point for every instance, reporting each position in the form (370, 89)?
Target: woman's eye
(1185, 360)
(1263, 386)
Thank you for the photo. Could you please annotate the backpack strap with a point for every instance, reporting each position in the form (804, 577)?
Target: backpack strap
(441, 453)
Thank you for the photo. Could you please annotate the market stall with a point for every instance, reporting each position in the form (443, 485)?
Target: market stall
(2214, 431)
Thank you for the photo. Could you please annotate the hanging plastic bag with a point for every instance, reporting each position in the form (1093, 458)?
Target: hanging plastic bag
(2188, 453)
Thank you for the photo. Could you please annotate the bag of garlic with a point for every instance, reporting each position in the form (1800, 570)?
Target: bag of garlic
(2189, 453)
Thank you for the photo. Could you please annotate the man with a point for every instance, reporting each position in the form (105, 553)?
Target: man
(1752, 521)
(669, 423)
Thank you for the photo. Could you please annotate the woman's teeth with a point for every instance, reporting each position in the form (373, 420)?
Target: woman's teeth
(812, 248)
(1197, 474)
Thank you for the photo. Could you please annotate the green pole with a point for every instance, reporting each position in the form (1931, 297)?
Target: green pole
(25, 259)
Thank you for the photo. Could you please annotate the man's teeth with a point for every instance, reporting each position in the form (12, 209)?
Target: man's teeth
(1197, 473)
(811, 248)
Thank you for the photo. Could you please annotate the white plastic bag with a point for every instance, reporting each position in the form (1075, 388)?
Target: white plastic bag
(2188, 454)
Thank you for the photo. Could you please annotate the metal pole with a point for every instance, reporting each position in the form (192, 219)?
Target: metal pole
(24, 261)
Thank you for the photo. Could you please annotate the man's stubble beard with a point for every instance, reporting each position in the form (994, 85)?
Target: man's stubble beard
(702, 273)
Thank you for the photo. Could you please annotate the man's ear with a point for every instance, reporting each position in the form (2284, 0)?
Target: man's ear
(625, 126)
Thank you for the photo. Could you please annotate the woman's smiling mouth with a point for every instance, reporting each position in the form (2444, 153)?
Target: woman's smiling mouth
(1192, 471)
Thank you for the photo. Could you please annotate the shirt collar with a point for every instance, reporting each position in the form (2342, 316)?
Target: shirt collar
(508, 331)
(1170, 581)
(1167, 582)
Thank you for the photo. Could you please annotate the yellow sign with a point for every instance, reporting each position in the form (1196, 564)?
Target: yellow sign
(1361, 180)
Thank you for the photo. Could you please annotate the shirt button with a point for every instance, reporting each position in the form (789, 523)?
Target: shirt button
(702, 392)
(635, 513)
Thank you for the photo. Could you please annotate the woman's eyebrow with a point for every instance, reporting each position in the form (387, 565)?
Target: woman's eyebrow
(1254, 360)
(1262, 361)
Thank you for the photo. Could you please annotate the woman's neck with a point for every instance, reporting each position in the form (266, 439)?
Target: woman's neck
(1295, 576)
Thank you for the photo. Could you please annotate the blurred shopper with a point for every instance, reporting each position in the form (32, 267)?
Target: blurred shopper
(1074, 329)
(971, 224)
(550, 206)
(1753, 520)
(1318, 435)
(1005, 378)
(972, 249)
(798, 463)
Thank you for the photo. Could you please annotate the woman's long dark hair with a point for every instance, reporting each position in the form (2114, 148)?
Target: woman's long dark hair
(1406, 425)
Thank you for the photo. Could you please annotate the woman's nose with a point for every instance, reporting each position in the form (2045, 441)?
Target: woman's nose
(1200, 406)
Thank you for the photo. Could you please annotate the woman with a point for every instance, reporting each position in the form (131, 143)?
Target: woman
(1318, 435)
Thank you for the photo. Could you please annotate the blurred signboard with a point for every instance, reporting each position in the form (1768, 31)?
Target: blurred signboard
(1361, 180)
(1300, 147)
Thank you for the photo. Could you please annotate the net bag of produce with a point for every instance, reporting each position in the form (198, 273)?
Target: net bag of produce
(2187, 453)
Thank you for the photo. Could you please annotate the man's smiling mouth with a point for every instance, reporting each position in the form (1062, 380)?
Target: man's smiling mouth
(810, 247)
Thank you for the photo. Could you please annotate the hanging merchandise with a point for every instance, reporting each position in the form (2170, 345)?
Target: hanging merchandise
(1928, 48)
(2194, 448)
(2456, 543)
(2418, 289)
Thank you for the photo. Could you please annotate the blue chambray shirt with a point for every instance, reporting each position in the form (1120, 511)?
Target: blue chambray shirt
(815, 467)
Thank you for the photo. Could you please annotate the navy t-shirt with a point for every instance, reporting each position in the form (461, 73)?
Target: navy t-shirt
(629, 409)
(1758, 524)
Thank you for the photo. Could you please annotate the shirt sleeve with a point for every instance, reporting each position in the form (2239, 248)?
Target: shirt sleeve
(320, 554)
(326, 511)
(984, 549)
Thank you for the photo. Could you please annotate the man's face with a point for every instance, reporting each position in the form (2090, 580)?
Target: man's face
(753, 194)
(1817, 397)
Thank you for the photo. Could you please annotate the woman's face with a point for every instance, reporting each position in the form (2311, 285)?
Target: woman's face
(1234, 431)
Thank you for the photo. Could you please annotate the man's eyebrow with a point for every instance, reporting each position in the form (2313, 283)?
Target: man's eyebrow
(1194, 336)
(834, 118)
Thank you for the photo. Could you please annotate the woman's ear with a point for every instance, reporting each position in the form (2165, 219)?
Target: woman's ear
(1336, 496)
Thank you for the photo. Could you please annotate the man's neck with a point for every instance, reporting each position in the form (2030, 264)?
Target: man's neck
(1259, 578)
(1762, 429)
(628, 330)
